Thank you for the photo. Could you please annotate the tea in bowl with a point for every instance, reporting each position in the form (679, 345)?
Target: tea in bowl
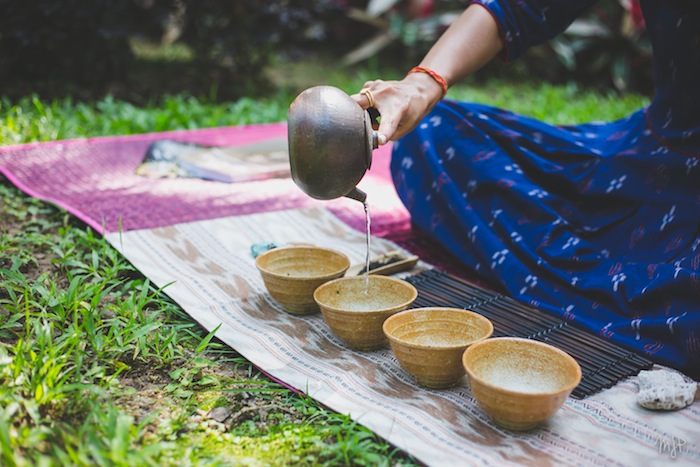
(355, 307)
(429, 342)
(519, 382)
(292, 273)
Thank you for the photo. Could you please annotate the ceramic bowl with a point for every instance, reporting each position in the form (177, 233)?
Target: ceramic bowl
(355, 307)
(291, 274)
(429, 342)
(520, 383)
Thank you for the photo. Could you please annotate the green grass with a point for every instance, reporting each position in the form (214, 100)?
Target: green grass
(98, 367)
(83, 336)
(31, 119)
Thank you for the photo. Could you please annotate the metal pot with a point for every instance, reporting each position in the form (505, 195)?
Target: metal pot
(330, 141)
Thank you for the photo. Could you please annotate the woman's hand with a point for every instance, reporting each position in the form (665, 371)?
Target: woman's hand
(401, 104)
(470, 42)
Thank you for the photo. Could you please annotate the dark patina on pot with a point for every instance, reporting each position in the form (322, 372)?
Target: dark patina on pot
(330, 141)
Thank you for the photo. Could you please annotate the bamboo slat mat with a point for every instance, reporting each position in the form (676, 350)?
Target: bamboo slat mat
(603, 364)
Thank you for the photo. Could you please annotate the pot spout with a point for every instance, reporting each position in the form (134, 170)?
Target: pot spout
(357, 194)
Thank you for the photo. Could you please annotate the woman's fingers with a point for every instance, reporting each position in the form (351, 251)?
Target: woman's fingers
(401, 105)
(361, 100)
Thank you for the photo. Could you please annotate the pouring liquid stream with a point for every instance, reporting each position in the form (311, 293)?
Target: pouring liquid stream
(367, 226)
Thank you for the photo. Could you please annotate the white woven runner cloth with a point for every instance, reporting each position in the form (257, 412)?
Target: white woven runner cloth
(208, 269)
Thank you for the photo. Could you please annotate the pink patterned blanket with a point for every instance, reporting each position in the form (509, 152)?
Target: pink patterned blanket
(95, 180)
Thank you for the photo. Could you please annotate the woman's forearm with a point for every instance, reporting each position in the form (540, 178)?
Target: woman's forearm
(467, 45)
(470, 42)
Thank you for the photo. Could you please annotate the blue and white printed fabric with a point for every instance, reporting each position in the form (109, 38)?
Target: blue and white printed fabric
(598, 223)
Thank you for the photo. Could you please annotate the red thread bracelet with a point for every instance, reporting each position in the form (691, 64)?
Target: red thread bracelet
(439, 79)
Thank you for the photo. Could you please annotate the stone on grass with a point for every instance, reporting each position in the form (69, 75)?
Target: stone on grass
(665, 390)
(220, 414)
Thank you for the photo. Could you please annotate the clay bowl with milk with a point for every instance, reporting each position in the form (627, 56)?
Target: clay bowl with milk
(429, 342)
(292, 274)
(519, 382)
(355, 307)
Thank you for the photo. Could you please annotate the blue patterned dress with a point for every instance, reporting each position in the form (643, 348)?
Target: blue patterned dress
(597, 223)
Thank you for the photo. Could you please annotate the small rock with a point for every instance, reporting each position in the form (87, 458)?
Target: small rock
(665, 390)
(219, 414)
